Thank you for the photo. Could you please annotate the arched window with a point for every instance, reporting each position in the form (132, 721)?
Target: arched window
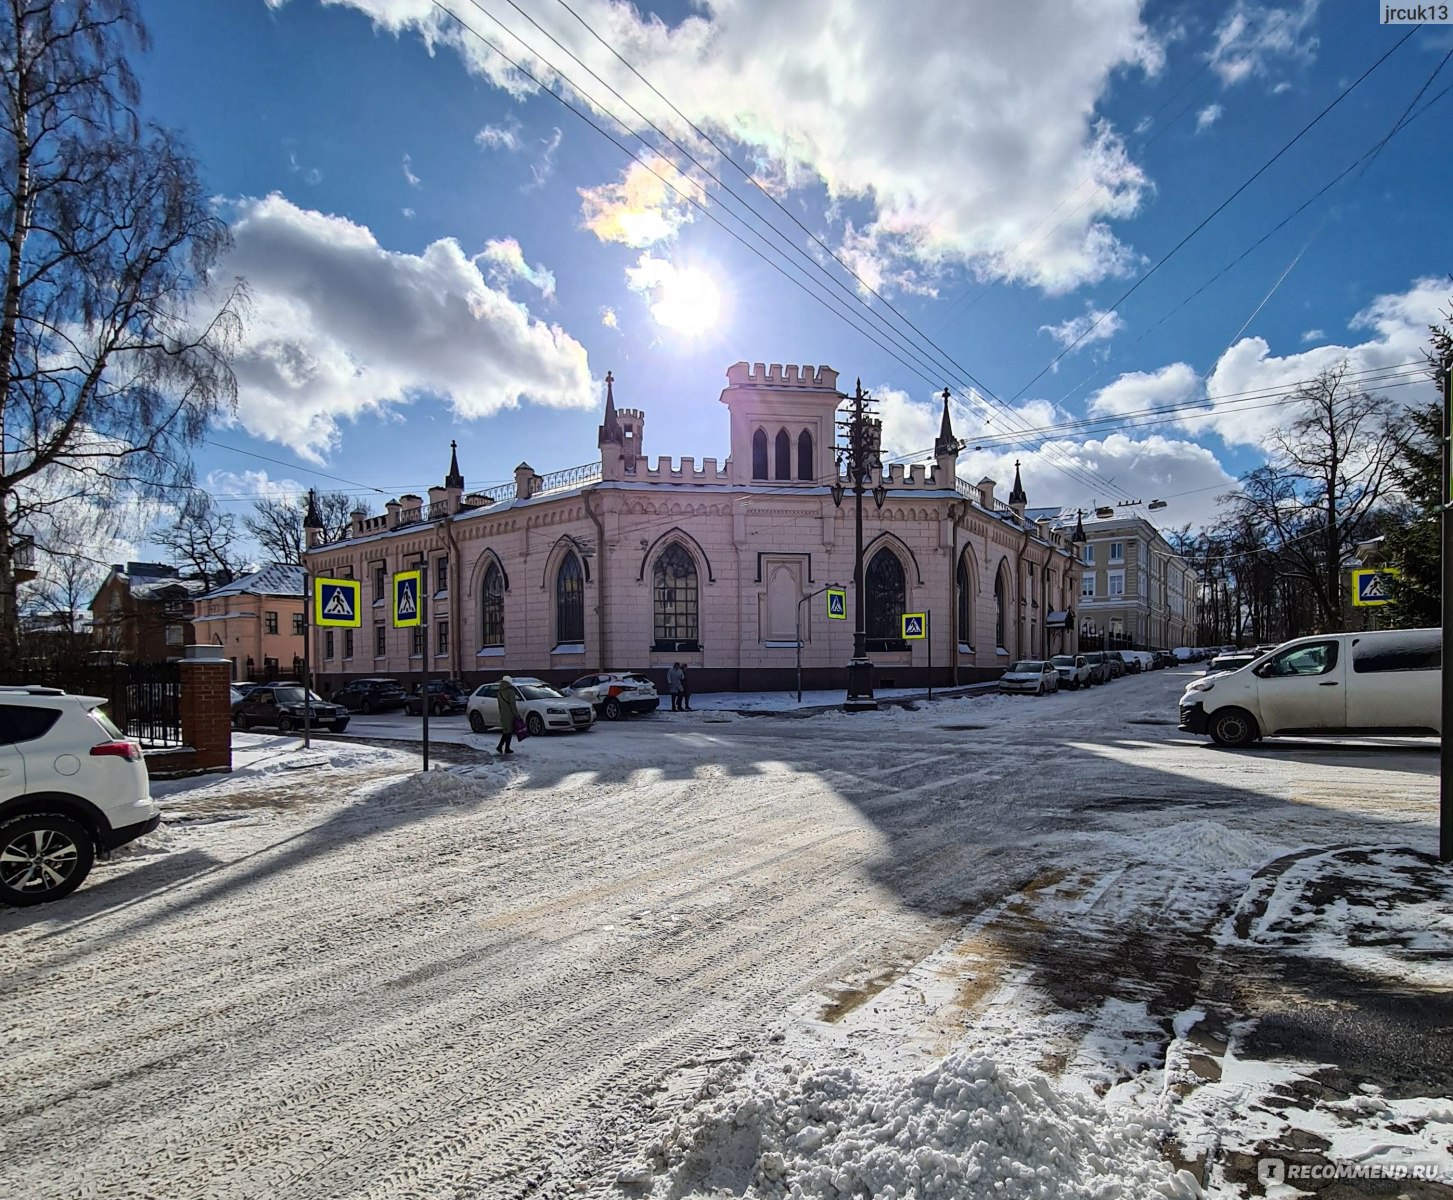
(963, 588)
(492, 608)
(806, 468)
(759, 454)
(885, 593)
(1000, 603)
(677, 624)
(783, 455)
(569, 602)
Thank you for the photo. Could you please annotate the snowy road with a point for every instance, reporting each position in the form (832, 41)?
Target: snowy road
(353, 980)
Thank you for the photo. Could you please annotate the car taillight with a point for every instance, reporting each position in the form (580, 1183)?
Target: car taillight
(121, 749)
(615, 689)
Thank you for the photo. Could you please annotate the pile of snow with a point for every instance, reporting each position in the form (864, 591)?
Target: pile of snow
(1209, 845)
(965, 1127)
(453, 788)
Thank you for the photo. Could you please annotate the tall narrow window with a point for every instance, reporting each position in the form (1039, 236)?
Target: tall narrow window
(805, 466)
(492, 614)
(999, 614)
(570, 602)
(759, 454)
(783, 455)
(886, 597)
(675, 593)
(965, 597)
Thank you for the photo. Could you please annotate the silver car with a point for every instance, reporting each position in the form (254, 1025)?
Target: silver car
(1074, 671)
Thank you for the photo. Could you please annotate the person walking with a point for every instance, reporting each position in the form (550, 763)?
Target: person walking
(508, 698)
(673, 684)
(685, 688)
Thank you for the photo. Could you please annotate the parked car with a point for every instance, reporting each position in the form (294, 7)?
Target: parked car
(1074, 671)
(1128, 661)
(1034, 676)
(615, 693)
(1099, 666)
(541, 707)
(1116, 664)
(283, 705)
(1378, 683)
(234, 694)
(370, 695)
(1231, 662)
(445, 696)
(1166, 658)
(71, 787)
(246, 686)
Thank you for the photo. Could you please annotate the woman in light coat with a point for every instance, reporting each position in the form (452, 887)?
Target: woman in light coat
(508, 698)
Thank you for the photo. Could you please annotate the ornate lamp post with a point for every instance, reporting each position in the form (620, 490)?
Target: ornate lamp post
(859, 458)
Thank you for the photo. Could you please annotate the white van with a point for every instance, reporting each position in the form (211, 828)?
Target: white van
(1385, 682)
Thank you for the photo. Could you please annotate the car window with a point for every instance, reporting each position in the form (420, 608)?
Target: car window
(488, 690)
(25, 723)
(1316, 659)
(1416, 651)
(538, 691)
(584, 681)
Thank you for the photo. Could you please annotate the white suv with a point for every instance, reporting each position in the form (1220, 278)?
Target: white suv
(71, 786)
(615, 693)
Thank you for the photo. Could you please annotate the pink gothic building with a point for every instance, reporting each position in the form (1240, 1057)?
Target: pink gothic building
(634, 563)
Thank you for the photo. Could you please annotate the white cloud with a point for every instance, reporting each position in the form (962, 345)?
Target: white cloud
(1251, 36)
(643, 208)
(963, 167)
(684, 299)
(247, 487)
(409, 175)
(1312, 335)
(1137, 391)
(544, 166)
(1094, 325)
(309, 174)
(339, 326)
(1208, 116)
(507, 261)
(1398, 323)
(500, 137)
(609, 319)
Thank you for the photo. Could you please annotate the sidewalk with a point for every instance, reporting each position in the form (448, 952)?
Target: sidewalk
(749, 704)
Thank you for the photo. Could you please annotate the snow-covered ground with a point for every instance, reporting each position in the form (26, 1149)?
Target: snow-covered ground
(991, 946)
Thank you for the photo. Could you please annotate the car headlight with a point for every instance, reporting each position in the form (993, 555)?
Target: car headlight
(1201, 685)
(556, 712)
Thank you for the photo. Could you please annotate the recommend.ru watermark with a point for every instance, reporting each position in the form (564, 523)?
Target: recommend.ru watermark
(1278, 1170)
(1414, 14)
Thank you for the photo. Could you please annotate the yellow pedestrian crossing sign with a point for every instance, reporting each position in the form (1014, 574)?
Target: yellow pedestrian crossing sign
(336, 603)
(915, 626)
(837, 604)
(407, 609)
(1369, 586)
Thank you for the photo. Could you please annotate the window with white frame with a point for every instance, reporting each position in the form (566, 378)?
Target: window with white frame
(1087, 586)
(1117, 551)
(1115, 583)
(1089, 552)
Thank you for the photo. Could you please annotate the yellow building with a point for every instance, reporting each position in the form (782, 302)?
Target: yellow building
(257, 622)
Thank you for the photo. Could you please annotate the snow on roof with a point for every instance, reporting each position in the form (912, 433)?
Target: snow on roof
(152, 587)
(276, 579)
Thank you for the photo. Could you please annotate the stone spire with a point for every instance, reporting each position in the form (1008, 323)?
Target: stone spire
(454, 479)
(1016, 493)
(946, 443)
(1078, 537)
(610, 429)
(312, 522)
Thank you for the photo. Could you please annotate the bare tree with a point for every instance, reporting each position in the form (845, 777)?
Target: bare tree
(204, 540)
(278, 524)
(1316, 497)
(107, 371)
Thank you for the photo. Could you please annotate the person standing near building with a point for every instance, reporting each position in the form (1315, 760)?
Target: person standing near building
(508, 698)
(673, 685)
(685, 688)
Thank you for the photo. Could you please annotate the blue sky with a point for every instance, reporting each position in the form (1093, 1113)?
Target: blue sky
(436, 249)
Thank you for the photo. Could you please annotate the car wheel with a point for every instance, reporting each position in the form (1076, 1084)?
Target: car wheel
(43, 857)
(366, 707)
(1233, 727)
(476, 721)
(535, 725)
(285, 724)
(611, 709)
(239, 721)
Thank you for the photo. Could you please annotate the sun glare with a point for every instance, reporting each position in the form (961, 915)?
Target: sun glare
(688, 301)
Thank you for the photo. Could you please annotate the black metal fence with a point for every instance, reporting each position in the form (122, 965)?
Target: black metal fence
(143, 700)
(1107, 641)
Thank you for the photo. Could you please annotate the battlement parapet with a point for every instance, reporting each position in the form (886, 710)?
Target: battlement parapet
(782, 375)
(637, 414)
(667, 470)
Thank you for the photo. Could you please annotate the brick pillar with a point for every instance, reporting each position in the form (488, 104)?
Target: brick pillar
(206, 711)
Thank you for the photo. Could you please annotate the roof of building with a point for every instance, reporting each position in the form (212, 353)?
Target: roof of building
(276, 579)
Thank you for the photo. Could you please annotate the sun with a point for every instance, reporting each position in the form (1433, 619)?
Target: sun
(688, 301)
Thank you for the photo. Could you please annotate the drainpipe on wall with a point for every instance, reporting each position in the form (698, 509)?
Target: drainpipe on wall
(955, 511)
(456, 586)
(1024, 608)
(600, 575)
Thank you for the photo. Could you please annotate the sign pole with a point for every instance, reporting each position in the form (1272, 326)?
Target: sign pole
(307, 662)
(1445, 784)
(424, 686)
(928, 629)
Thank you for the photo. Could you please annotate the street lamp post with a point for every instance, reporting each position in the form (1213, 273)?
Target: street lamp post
(859, 460)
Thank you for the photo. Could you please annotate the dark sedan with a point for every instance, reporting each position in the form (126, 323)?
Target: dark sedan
(283, 706)
(445, 696)
(371, 695)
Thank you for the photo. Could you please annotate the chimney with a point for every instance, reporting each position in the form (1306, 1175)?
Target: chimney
(985, 488)
(525, 479)
(392, 509)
